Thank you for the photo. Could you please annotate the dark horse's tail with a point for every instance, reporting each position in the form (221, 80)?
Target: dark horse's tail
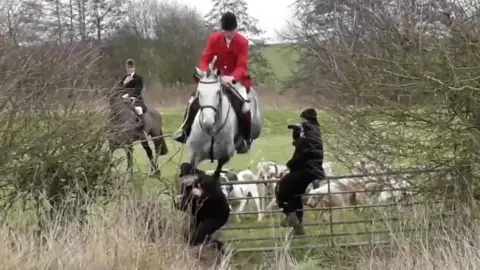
(160, 144)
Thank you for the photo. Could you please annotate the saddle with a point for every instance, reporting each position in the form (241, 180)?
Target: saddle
(136, 102)
(237, 104)
(234, 99)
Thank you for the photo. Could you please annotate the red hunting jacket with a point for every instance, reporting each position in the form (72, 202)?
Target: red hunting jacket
(231, 61)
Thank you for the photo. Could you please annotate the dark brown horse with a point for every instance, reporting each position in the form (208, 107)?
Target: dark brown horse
(128, 127)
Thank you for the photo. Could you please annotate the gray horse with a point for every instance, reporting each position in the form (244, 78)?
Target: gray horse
(127, 128)
(214, 132)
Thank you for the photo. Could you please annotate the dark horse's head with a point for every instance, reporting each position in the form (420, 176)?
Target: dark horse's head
(122, 116)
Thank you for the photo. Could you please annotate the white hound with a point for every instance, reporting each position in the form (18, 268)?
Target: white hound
(268, 170)
(342, 192)
(395, 190)
(388, 189)
(241, 191)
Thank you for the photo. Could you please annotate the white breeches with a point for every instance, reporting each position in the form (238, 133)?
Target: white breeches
(138, 109)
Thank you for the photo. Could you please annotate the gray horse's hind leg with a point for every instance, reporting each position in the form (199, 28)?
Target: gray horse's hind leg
(256, 114)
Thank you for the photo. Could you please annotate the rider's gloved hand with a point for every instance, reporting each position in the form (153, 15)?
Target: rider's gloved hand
(297, 129)
(227, 80)
(128, 79)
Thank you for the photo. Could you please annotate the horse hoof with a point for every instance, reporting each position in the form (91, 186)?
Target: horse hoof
(242, 150)
(156, 174)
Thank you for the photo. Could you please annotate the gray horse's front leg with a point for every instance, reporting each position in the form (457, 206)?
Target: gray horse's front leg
(194, 161)
(220, 163)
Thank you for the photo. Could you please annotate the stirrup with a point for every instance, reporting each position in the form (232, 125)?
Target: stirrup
(179, 133)
(243, 147)
(180, 136)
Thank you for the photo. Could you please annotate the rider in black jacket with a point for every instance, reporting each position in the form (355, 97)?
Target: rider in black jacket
(306, 166)
(134, 83)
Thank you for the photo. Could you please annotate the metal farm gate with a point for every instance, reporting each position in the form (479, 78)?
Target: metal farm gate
(342, 226)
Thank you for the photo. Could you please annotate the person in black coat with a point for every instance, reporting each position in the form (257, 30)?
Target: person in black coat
(306, 166)
(134, 83)
(203, 200)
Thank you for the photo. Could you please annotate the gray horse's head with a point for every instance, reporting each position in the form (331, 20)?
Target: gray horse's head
(122, 111)
(209, 91)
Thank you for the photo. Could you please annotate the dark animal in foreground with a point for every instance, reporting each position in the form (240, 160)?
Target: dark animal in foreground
(127, 127)
(203, 200)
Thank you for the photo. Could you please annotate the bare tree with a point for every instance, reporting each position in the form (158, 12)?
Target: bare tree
(107, 16)
(166, 38)
(20, 20)
(55, 21)
(409, 68)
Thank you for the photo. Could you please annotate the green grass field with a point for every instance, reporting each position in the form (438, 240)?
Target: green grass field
(274, 145)
(283, 59)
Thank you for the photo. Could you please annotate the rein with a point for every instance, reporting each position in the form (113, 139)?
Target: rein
(215, 109)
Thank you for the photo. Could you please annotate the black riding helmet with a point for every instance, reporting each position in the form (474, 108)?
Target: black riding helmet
(130, 63)
(310, 115)
(187, 169)
(228, 21)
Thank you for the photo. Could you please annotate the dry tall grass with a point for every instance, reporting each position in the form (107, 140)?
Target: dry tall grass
(138, 237)
(446, 253)
(125, 241)
(451, 247)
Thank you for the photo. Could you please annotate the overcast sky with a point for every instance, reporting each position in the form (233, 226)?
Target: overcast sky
(272, 14)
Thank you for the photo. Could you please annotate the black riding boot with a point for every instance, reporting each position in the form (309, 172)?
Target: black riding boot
(245, 126)
(293, 221)
(141, 117)
(182, 134)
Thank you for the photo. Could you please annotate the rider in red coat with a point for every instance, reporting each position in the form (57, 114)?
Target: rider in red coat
(231, 50)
